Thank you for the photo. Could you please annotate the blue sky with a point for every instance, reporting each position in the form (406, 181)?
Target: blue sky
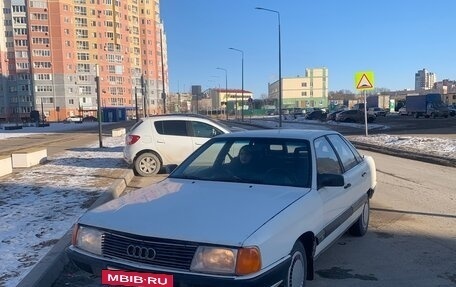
(394, 39)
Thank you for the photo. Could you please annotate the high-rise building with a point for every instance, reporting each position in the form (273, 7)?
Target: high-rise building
(302, 92)
(52, 51)
(424, 80)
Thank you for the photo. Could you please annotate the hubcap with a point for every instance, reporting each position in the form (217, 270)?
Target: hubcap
(148, 165)
(296, 272)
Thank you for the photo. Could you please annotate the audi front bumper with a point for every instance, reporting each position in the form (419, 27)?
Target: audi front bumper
(95, 264)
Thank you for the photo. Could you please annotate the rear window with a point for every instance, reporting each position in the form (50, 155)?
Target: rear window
(136, 125)
(172, 127)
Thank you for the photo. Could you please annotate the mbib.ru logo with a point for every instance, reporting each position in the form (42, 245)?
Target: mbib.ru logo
(136, 279)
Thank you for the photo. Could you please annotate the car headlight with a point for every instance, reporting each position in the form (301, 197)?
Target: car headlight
(88, 239)
(222, 260)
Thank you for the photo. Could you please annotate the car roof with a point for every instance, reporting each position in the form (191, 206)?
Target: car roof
(280, 133)
(177, 116)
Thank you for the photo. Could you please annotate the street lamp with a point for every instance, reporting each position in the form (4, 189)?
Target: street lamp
(226, 90)
(97, 82)
(280, 64)
(162, 72)
(242, 88)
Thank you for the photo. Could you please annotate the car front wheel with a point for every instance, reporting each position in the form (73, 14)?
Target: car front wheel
(359, 228)
(147, 164)
(297, 272)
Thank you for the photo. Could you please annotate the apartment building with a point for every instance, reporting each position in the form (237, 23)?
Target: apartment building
(53, 51)
(424, 80)
(310, 90)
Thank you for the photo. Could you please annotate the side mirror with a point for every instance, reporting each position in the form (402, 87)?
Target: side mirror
(329, 179)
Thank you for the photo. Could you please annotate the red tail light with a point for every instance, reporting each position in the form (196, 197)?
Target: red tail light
(131, 139)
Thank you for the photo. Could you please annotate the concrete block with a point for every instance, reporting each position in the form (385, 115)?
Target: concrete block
(29, 157)
(118, 132)
(6, 166)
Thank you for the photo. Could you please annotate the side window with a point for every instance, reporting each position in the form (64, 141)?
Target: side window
(343, 150)
(327, 161)
(203, 130)
(172, 128)
(358, 156)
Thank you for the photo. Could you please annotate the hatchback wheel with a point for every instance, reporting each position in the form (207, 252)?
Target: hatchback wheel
(147, 164)
(359, 228)
(297, 272)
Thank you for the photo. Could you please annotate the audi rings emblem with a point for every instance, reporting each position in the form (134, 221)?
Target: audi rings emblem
(141, 252)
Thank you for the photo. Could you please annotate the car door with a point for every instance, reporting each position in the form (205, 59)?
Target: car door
(354, 170)
(333, 198)
(173, 142)
(340, 202)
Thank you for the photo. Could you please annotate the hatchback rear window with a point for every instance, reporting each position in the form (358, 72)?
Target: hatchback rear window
(173, 127)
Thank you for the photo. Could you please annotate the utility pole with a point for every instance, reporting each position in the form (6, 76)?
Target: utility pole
(163, 72)
(143, 92)
(97, 80)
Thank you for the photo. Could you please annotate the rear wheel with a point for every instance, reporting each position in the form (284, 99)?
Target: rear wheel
(147, 164)
(297, 272)
(359, 228)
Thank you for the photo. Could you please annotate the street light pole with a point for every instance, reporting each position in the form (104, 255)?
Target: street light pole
(226, 91)
(97, 81)
(163, 72)
(242, 85)
(280, 64)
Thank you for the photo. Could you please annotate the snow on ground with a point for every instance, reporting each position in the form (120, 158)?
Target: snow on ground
(430, 145)
(40, 204)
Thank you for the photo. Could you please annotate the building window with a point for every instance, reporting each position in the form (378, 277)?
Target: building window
(21, 43)
(42, 77)
(39, 16)
(83, 56)
(22, 65)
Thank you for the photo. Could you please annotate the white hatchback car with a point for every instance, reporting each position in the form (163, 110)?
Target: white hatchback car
(252, 208)
(158, 141)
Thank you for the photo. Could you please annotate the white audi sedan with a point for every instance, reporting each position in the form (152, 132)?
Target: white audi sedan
(252, 208)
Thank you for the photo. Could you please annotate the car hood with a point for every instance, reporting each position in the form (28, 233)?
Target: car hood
(199, 211)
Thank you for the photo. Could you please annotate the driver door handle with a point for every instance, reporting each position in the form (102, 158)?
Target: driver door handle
(347, 185)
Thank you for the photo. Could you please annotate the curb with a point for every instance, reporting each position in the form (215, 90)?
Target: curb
(49, 268)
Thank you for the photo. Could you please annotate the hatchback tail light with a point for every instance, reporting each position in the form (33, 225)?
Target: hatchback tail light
(131, 139)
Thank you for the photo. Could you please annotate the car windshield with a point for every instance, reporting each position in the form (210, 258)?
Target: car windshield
(285, 162)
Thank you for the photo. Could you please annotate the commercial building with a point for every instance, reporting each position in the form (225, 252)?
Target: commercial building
(53, 50)
(302, 92)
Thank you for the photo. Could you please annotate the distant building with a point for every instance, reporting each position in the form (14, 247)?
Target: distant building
(424, 80)
(302, 92)
(231, 99)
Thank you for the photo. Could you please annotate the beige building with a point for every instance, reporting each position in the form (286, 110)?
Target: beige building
(303, 92)
(232, 98)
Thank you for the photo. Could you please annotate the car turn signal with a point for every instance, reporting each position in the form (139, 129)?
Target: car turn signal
(248, 261)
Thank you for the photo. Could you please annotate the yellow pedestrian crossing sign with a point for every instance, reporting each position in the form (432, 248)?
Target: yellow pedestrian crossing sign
(364, 80)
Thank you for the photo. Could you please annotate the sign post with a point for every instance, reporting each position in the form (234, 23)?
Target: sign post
(364, 81)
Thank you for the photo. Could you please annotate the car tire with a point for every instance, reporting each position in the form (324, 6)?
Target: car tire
(147, 164)
(359, 228)
(297, 272)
